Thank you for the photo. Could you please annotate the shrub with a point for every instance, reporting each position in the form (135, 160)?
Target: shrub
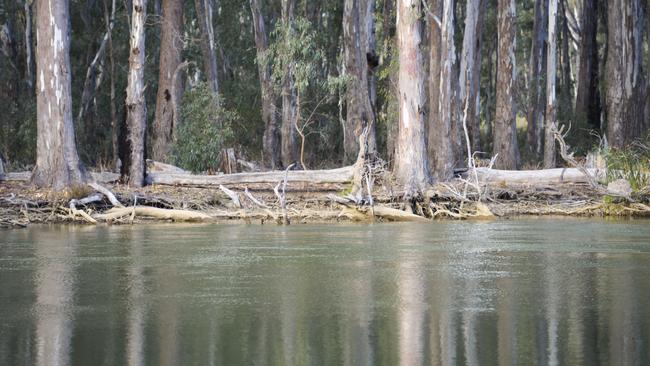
(632, 164)
(205, 129)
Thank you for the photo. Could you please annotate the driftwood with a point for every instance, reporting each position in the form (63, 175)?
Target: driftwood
(362, 213)
(106, 192)
(340, 175)
(158, 213)
(537, 177)
(233, 196)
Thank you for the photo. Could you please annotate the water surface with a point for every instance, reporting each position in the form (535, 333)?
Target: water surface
(533, 291)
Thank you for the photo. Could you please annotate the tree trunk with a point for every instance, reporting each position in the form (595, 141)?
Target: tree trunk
(624, 77)
(440, 155)
(29, 58)
(289, 152)
(360, 112)
(536, 93)
(271, 140)
(505, 130)
(133, 166)
(57, 162)
(470, 69)
(588, 96)
(203, 10)
(411, 156)
(171, 47)
(566, 97)
(550, 123)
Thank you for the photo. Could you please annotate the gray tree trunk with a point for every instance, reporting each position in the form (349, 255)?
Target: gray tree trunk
(133, 168)
(624, 76)
(550, 123)
(470, 69)
(271, 140)
(588, 96)
(505, 132)
(536, 95)
(204, 11)
(171, 47)
(29, 58)
(441, 67)
(289, 151)
(411, 169)
(57, 163)
(360, 112)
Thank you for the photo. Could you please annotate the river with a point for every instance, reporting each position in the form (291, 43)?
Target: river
(525, 291)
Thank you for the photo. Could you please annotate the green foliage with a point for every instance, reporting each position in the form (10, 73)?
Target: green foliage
(632, 164)
(204, 130)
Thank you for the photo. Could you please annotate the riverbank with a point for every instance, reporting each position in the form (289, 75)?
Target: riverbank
(22, 204)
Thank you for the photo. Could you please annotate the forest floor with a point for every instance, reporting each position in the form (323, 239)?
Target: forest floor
(22, 204)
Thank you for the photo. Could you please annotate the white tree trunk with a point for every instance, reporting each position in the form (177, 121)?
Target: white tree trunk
(57, 162)
(411, 156)
(550, 123)
(135, 99)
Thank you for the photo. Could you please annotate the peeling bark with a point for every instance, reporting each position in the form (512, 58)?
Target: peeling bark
(624, 75)
(411, 169)
(357, 31)
(170, 89)
(57, 163)
(133, 166)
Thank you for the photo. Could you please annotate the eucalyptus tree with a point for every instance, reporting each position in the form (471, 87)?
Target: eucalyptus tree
(443, 59)
(588, 96)
(550, 122)
(505, 131)
(57, 162)
(358, 40)
(624, 77)
(133, 162)
(271, 139)
(411, 170)
(289, 148)
(470, 69)
(170, 86)
(204, 14)
(536, 94)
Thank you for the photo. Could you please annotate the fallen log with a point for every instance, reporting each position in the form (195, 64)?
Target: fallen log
(537, 177)
(340, 175)
(100, 177)
(155, 212)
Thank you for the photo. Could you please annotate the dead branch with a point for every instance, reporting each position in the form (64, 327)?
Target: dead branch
(158, 213)
(252, 198)
(106, 192)
(233, 196)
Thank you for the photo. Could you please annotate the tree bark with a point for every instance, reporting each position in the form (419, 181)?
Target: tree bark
(470, 68)
(624, 76)
(204, 10)
(505, 130)
(133, 166)
(289, 151)
(536, 95)
(360, 112)
(411, 169)
(588, 96)
(271, 140)
(550, 123)
(57, 163)
(171, 47)
(29, 58)
(438, 151)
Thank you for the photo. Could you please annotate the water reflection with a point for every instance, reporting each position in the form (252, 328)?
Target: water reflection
(446, 294)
